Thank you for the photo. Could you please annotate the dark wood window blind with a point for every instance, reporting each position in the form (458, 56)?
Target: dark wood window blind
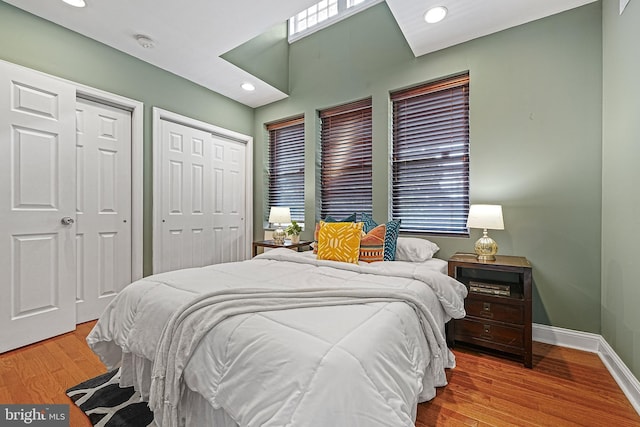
(430, 159)
(286, 166)
(345, 159)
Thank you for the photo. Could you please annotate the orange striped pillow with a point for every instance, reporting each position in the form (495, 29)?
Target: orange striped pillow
(372, 244)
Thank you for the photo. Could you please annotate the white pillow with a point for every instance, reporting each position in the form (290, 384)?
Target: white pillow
(414, 249)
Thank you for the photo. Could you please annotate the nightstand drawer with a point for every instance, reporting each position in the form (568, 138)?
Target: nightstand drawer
(488, 333)
(484, 309)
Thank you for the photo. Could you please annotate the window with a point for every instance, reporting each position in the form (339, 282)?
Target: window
(323, 14)
(345, 159)
(286, 166)
(312, 16)
(430, 158)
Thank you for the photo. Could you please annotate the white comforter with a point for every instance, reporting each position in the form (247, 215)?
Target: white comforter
(283, 339)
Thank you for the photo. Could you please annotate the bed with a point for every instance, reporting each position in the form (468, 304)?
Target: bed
(284, 339)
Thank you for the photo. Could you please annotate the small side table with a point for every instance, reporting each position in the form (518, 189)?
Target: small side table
(498, 305)
(287, 244)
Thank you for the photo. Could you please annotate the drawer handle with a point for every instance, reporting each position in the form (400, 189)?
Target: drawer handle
(487, 330)
(486, 310)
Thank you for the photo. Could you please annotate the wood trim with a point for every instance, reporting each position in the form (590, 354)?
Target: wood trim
(447, 83)
(285, 123)
(500, 261)
(347, 108)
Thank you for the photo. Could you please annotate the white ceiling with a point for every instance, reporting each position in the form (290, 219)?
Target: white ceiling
(468, 19)
(190, 36)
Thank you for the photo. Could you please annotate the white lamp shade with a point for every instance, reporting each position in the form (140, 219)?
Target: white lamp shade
(279, 215)
(485, 216)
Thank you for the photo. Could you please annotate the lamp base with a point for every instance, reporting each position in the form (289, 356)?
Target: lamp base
(279, 236)
(485, 257)
(486, 248)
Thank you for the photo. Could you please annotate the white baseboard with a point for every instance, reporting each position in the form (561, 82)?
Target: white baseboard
(584, 341)
(593, 343)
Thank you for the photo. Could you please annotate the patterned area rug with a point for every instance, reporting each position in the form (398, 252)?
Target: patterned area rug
(108, 405)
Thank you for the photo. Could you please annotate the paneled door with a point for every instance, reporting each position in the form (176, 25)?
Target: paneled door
(37, 207)
(186, 197)
(202, 191)
(228, 200)
(103, 206)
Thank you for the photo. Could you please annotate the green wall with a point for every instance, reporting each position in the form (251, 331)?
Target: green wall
(536, 109)
(620, 177)
(265, 56)
(553, 135)
(39, 44)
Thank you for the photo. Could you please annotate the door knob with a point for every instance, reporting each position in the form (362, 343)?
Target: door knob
(67, 220)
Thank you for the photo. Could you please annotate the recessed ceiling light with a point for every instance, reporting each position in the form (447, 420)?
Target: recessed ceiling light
(145, 41)
(248, 86)
(435, 14)
(75, 3)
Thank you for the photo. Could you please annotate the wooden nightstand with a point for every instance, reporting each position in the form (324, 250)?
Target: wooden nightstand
(287, 244)
(498, 305)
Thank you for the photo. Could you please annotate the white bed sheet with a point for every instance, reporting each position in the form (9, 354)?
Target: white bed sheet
(365, 364)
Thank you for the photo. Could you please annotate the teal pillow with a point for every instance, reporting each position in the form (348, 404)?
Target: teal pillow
(390, 236)
(369, 223)
(350, 218)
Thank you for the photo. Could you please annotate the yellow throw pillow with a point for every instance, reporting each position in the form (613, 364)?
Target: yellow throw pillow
(339, 241)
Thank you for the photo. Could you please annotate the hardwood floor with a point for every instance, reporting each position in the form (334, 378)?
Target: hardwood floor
(40, 373)
(565, 387)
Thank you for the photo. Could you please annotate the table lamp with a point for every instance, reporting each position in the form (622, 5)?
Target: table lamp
(278, 216)
(485, 217)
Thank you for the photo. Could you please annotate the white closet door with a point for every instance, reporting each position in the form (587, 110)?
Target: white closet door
(103, 206)
(186, 197)
(37, 191)
(202, 191)
(228, 200)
